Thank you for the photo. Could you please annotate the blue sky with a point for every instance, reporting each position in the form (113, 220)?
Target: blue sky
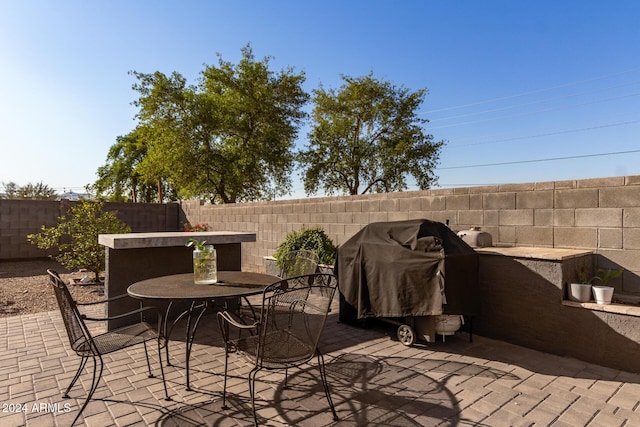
(510, 82)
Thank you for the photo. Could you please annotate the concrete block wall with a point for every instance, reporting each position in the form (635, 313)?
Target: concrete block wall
(600, 214)
(18, 218)
(147, 217)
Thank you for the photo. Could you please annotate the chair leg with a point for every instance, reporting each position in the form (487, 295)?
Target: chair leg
(94, 384)
(146, 354)
(252, 392)
(224, 384)
(83, 362)
(325, 384)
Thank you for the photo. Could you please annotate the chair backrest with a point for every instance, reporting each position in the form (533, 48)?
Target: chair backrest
(298, 263)
(294, 312)
(79, 336)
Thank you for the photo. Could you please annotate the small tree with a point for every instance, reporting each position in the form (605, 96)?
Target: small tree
(76, 236)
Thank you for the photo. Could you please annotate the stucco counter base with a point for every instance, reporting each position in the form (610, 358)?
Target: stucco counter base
(133, 257)
(523, 296)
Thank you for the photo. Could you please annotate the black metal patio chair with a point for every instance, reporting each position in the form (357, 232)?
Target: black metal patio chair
(292, 318)
(91, 346)
(298, 263)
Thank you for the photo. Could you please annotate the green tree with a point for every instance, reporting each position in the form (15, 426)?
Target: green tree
(39, 191)
(120, 179)
(229, 138)
(367, 137)
(10, 190)
(76, 236)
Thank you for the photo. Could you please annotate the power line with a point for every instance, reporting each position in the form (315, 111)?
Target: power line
(534, 112)
(531, 92)
(526, 104)
(547, 134)
(539, 160)
(503, 134)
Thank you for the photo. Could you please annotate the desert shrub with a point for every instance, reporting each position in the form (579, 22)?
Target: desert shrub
(76, 236)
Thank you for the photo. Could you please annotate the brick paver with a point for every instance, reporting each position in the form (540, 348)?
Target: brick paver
(374, 381)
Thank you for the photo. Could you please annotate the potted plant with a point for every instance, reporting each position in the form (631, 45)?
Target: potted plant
(313, 239)
(603, 293)
(580, 291)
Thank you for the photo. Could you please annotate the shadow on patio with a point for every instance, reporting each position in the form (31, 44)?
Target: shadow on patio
(374, 380)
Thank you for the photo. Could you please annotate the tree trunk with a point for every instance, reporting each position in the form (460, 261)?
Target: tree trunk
(159, 191)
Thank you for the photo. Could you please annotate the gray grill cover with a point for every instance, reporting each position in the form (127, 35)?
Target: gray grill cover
(396, 269)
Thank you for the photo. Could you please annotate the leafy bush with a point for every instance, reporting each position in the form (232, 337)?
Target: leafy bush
(314, 239)
(76, 236)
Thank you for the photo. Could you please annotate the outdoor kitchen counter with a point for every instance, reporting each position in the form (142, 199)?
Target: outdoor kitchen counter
(172, 238)
(133, 257)
(542, 271)
(550, 254)
(524, 302)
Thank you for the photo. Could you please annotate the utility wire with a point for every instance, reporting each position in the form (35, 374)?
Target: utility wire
(531, 92)
(527, 104)
(539, 160)
(501, 135)
(533, 112)
(544, 134)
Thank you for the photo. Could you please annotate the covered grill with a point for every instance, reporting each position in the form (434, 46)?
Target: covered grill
(406, 269)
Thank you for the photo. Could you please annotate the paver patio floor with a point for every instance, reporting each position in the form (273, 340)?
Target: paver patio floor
(375, 381)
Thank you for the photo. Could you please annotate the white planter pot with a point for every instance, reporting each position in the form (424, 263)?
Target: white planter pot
(602, 294)
(580, 292)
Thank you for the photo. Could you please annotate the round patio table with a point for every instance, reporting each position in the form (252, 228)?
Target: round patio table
(231, 285)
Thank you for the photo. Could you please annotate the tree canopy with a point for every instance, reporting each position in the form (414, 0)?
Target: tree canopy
(121, 180)
(228, 139)
(39, 191)
(367, 137)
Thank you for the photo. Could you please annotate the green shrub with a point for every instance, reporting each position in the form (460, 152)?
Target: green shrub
(76, 236)
(314, 239)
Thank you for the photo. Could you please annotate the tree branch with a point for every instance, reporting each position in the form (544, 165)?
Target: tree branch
(372, 184)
